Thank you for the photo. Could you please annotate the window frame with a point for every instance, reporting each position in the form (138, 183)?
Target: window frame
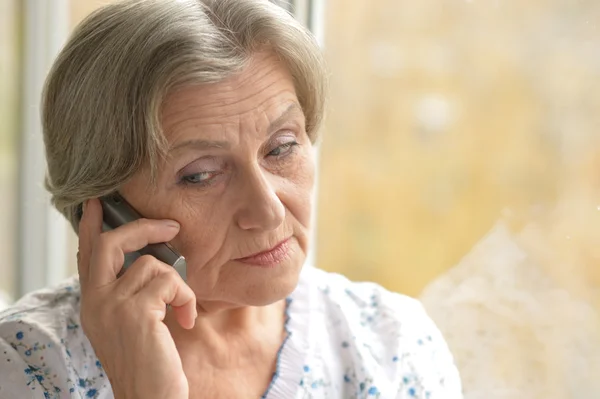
(42, 231)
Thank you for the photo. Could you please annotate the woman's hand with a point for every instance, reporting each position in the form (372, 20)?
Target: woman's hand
(123, 317)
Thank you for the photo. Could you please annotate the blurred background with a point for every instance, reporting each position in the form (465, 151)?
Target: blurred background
(460, 164)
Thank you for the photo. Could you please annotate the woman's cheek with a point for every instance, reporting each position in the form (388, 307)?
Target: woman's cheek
(299, 192)
(202, 229)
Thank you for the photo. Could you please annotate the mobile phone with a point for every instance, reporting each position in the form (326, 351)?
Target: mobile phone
(116, 212)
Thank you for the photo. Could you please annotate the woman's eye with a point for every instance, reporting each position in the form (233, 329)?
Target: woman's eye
(283, 149)
(198, 178)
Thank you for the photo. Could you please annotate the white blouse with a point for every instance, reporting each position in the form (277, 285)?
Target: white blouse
(344, 340)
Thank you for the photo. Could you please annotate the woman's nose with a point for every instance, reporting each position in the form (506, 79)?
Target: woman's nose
(261, 208)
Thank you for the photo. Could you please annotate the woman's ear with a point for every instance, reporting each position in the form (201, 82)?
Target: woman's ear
(78, 212)
(77, 215)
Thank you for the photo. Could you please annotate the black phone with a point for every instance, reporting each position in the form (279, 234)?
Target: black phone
(116, 212)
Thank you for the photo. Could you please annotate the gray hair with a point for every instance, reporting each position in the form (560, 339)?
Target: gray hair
(102, 100)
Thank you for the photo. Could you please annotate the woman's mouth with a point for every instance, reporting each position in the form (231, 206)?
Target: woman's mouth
(269, 258)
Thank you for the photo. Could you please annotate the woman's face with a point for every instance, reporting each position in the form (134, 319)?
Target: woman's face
(238, 179)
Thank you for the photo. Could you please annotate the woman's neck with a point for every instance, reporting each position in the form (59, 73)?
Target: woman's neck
(237, 330)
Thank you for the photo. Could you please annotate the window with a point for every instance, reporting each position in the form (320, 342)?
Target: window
(9, 119)
(460, 163)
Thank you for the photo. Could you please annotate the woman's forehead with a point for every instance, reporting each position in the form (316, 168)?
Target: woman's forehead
(264, 79)
(264, 90)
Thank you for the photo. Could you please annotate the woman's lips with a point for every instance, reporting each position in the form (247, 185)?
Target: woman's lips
(269, 258)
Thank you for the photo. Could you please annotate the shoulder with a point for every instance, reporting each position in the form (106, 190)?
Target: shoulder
(391, 334)
(41, 343)
(369, 307)
(47, 313)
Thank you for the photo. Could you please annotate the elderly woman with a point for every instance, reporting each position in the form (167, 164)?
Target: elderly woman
(202, 115)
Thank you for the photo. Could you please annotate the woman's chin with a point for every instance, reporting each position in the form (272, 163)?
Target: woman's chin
(261, 288)
(269, 294)
(254, 285)
(261, 284)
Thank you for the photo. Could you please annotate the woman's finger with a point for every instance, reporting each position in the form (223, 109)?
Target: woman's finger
(140, 273)
(90, 228)
(109, 250)
(170, 289)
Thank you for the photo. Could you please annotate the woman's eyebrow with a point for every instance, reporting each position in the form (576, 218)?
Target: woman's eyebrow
(293, 108)
(200, 144)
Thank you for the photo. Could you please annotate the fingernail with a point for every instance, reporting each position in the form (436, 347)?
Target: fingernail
(171, 224)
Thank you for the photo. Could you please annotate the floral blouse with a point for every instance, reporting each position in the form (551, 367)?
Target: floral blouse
(344, 340)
